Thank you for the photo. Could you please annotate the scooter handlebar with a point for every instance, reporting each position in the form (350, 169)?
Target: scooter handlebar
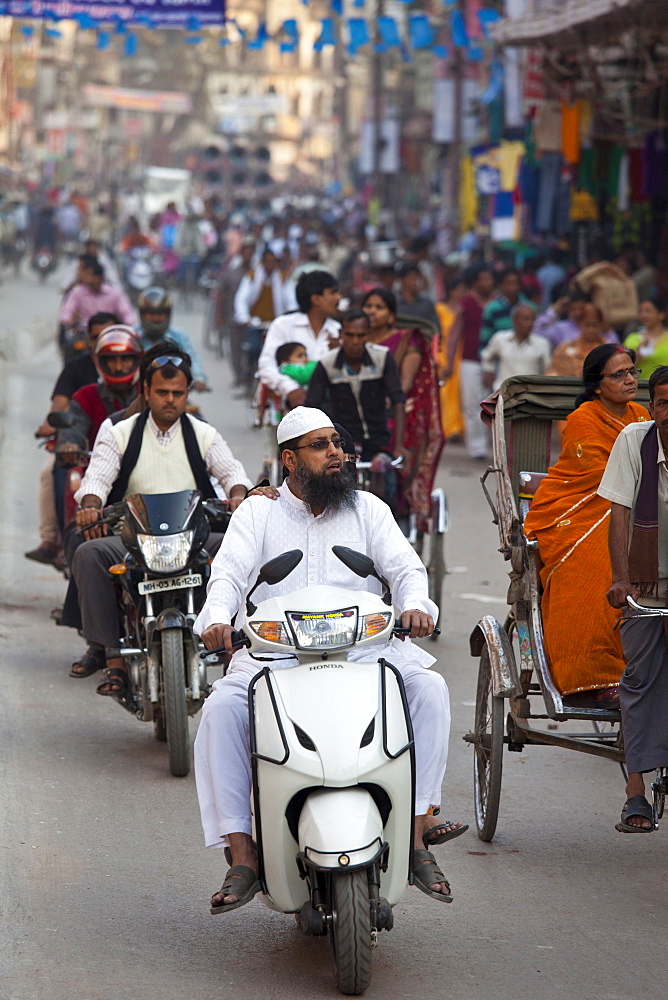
(239, 639)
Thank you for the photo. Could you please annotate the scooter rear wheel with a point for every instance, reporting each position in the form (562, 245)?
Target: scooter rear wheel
(350, 932)
(175, 705)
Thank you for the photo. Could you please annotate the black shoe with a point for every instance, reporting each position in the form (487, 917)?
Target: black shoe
(44, 553)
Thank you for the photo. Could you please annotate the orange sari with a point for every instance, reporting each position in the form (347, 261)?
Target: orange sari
(570, 521)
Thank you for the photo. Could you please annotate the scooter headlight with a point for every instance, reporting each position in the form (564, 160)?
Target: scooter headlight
(272, 632)
(166, 553)
(323, 630)
(374, 624)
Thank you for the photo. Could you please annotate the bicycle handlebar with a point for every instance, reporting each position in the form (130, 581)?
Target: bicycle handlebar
(396, 463)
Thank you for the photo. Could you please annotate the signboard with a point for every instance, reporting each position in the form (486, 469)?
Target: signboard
(150, 13)
(166, 101)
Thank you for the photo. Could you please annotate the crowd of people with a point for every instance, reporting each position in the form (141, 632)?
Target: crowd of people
(393, 371)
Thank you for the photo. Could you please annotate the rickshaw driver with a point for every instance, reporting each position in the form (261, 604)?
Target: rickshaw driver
(318, 505)
(636, 481)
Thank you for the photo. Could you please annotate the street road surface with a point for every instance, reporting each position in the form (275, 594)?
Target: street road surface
(104, 880)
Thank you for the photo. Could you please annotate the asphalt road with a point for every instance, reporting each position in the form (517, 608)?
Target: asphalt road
(104, 881)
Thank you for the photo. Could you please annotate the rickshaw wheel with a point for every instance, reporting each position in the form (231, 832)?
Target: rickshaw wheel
(488, 747)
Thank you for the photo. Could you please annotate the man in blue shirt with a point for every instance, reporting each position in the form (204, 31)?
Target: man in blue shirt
(155, 316)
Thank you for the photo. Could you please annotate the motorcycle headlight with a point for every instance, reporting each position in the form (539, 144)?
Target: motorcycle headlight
(374, 624)
(272, 632)
(323, 630)
(166, 553)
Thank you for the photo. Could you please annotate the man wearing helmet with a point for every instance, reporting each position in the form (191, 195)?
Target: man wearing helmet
(155, 316)
(162, 449)
(117, 356)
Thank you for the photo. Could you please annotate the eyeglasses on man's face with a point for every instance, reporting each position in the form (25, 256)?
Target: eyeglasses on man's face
(321, 444)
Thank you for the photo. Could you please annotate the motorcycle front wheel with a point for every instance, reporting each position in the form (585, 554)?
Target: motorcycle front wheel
(175, 705)
(350, 932)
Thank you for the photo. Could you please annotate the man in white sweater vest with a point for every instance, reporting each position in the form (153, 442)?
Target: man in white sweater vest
(161, 450)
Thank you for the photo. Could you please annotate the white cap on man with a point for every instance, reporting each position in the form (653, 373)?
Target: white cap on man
(300, 421)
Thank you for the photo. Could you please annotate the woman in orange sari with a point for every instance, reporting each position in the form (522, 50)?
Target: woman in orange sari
(570, 522)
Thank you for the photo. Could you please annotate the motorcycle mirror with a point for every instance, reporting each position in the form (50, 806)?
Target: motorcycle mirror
(357, 562)
(281, 566)
(273, 572)
(60, 419)
(363, 566)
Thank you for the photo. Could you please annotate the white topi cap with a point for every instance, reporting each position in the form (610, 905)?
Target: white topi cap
(300, 421)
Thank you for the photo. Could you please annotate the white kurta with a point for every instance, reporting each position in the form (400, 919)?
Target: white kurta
(259, 530)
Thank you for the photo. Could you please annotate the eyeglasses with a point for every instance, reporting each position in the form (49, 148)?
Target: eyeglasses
(166, 359)
(633, 372)
(321, 445)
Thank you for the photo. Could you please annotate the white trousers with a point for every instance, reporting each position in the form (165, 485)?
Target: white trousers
(471, 391)
(222, 746)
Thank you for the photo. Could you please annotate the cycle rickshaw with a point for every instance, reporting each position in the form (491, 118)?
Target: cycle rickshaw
(515, 685)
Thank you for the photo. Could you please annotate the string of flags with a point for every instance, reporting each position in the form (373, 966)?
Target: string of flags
(417, 32)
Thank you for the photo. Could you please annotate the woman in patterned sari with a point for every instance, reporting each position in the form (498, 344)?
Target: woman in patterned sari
(570, 522)
(423, 439)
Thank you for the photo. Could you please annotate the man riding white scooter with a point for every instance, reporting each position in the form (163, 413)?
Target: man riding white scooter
(317, 507)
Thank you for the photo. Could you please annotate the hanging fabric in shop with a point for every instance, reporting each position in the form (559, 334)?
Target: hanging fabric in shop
(655, 165)
(468, 196)
(487, 172)
(623, 185)
(570, 132)
(547, 128)
(510, 156)
(504, 226)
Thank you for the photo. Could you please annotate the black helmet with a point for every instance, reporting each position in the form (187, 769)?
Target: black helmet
(155, 300)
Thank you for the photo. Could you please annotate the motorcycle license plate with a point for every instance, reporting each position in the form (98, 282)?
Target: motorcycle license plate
(170, 583)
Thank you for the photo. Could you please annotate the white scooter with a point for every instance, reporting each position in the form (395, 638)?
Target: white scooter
(333, 763)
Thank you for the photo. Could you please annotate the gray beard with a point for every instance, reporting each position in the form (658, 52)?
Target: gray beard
(334, 492)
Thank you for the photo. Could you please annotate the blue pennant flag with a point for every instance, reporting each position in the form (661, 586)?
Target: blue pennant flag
(495, 85)
(337, 6)
(192, 39)
(85, 21)
(27, 30)
(358, 34)
(53, 33)
(327, 34)
(291, 33)
(103, 40)
(441, 51)
(421, 33)
(487, 18)
(261, 38)
(193, 24)
(460, 38)
(130, 47)
(389, 34)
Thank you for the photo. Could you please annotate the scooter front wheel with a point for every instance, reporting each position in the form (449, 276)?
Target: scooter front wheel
(350, 932)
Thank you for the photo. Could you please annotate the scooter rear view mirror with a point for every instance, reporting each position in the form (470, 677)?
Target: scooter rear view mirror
(357, 562)
(274, 571)
(363, 566)
(60, 419)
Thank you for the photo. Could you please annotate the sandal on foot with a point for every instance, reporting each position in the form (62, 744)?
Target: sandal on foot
(91, 661)
(426, 873)
(116, 680)
(240, 881)
(432, 837)
(637, 805)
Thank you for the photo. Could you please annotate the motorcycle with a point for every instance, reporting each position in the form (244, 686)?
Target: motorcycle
(332, 762)
(163, 581)
(43, 262)
(70, 467)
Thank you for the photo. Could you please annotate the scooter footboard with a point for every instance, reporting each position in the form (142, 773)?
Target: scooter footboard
(340, 829)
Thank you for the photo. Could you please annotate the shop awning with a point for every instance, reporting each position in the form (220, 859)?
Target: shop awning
(573, 23)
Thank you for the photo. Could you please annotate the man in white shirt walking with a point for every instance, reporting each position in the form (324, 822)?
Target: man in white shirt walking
(515, 352)
(318, 506)
(314, 326)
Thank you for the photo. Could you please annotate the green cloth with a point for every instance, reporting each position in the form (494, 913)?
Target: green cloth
(658, 357)
(300, 373)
